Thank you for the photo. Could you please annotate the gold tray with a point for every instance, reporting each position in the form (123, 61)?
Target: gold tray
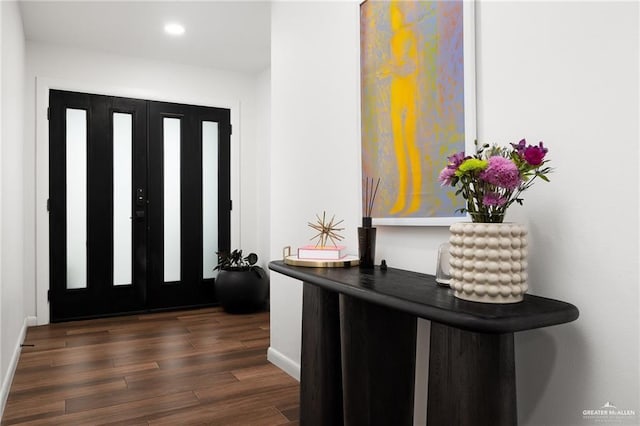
(293, 260)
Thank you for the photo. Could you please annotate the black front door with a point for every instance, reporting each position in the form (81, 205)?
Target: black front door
(139, 203)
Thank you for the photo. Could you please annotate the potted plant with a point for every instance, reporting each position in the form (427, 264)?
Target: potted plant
(241, 286)
(488, 257)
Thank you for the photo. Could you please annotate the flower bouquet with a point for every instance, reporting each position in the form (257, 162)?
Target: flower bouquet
(495, 177)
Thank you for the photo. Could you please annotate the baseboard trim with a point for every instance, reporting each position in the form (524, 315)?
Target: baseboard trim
(284, 363)
(8, 377)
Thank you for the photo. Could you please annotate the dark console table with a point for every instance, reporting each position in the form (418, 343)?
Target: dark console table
(359, 339)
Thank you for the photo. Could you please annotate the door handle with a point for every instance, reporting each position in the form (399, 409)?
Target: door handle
(139, 197)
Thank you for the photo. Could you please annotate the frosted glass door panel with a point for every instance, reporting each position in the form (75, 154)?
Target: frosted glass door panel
(76, 173)
(171, 173)
(209, 198)
(122, 203)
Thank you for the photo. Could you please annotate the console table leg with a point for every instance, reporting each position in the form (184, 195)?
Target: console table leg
(378, 363)
(471, 378)
(320, 367)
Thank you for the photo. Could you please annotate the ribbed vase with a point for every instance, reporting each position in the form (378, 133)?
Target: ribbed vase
(489, 262)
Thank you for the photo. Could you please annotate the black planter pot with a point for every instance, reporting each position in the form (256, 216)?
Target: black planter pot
(242, 291)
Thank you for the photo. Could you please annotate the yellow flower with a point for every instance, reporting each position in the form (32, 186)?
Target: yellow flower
(471, 165)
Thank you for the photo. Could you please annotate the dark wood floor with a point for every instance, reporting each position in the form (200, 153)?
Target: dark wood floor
(179, 368)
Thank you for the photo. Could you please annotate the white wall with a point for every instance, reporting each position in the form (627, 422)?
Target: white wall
(565, 73)
(97, 72)
(2, 91)
(12, 313)
(571, 79)
(262, 161)
(314, 154)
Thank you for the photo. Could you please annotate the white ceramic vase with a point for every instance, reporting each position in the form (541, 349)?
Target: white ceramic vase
(489, 262)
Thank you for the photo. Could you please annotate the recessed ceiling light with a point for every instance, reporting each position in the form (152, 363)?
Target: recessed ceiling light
(174, 29)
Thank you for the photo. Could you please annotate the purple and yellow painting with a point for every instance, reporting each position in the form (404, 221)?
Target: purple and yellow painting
(412, 77)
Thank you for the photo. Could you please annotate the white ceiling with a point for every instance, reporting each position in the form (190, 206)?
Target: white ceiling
(228, 35)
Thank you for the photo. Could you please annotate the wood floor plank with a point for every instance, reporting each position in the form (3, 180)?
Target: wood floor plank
(292, 413)
(135, 358)
(265, 397)
(118, 350)
(262, 342)
(222, 411)
(210, 315)
(27, 410)
(217, 344)
(65, 356)
(226, 360)
(34, 372)
(248, 388)
(194, 380)
(264, 416)
(199, 366)
(109, 337)
(106, 347)
(227, 327)
(54, 379)
(159, 388)
(61, 393)
(250, 373)
(122, 412)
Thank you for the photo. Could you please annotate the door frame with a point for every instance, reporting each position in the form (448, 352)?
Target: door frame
(43, 85)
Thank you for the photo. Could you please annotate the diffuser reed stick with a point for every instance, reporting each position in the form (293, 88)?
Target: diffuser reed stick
(367, 233)
(369, 196)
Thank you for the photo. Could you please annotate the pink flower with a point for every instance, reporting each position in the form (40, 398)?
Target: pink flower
(493, 199)
(446, 175)
(534, 155)
(501, 172)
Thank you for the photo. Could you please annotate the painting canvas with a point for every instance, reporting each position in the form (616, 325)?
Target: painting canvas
(418, 105)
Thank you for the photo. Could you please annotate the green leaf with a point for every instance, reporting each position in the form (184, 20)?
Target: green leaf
(251, 259)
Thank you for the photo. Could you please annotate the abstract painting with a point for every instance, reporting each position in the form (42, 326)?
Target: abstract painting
(418, 104)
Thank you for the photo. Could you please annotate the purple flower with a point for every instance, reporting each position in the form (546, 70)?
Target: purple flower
(520, 147)
(493, 199)
(446, 175)
(501, 172)
(534, 155)
(455, 160)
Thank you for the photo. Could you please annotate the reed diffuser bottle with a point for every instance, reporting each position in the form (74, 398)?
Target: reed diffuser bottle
(367, 233)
